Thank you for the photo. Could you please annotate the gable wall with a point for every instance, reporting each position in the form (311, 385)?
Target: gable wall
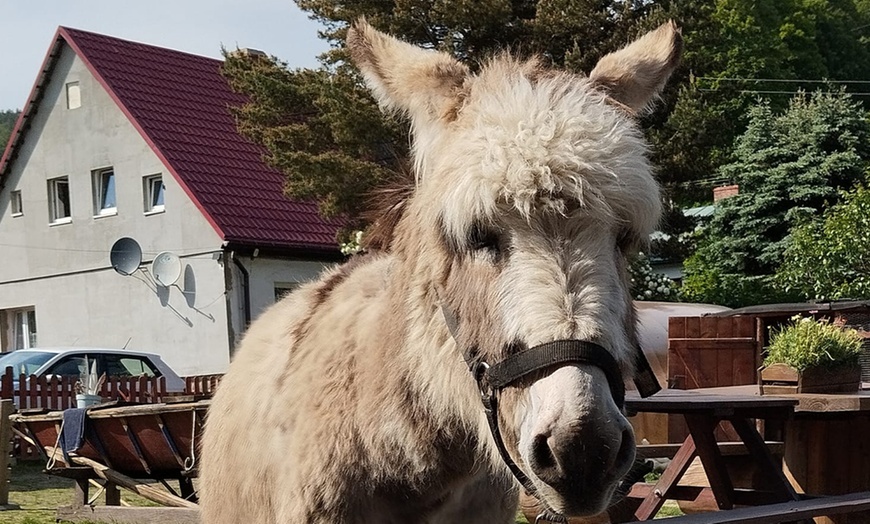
(63, 270)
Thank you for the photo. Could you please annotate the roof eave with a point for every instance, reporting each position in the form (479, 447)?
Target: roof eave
(23, 122)
(286, 249)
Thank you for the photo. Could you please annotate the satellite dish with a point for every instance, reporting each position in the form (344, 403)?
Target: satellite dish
(166, 268)
(126, 255)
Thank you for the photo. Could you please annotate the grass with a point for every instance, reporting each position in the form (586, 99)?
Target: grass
(39, 495)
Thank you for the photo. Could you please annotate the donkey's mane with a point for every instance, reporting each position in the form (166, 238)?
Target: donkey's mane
(385, 207)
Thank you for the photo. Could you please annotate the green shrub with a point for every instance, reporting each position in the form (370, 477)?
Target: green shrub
(806, 343)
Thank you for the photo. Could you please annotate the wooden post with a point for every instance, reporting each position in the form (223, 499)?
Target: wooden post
(113, 494)
(80, 493)
(7, 407)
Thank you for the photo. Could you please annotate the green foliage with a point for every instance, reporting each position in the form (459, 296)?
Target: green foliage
(707, 284)
(806, 343)
(732, 46)
(7, 122)
(789, 168)
(324, 130)
(321, 128)
(646, 284)
(830, 259)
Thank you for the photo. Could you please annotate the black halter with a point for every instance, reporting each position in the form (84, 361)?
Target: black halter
(492, 378)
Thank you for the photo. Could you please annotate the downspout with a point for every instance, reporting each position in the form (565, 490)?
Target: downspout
(246, 285)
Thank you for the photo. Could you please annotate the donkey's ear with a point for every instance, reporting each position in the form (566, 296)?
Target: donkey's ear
(422, 83)
(635, 74)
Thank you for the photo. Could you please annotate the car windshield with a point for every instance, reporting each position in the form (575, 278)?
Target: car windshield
(26, 362)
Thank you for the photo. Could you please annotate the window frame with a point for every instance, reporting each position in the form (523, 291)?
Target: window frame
(148, 194)
(53, 196)
(16, 204)
(100, 192)
(282, 289)
(23, 326)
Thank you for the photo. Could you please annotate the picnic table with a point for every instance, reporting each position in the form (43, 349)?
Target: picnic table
(821, 454)
(827, 445)
(703, 412)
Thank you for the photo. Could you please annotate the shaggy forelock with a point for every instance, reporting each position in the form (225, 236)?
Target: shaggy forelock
(537, 140)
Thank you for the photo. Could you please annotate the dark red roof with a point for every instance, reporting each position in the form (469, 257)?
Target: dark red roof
(180, 104)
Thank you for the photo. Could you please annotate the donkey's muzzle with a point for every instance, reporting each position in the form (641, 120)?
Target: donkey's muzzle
(578, 457)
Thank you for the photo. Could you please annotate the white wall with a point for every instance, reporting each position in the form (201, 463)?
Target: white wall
(265, 274)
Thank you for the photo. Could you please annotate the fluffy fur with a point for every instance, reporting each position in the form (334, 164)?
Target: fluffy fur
(349, 401)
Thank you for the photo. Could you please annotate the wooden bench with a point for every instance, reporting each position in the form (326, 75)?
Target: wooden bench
(783, 512)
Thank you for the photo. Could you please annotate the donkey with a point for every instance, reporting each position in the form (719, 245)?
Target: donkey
(493, 334)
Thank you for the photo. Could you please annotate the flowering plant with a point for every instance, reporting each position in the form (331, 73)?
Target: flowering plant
(807, 342)
(646, 284)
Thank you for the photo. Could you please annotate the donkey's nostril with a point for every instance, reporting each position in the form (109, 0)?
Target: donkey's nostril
(543, 462)
(626, 452)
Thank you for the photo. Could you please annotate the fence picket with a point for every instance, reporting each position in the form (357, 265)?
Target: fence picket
(66, 392)
(7, 383)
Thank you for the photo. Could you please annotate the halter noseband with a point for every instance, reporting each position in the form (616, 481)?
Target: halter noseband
(492, 378)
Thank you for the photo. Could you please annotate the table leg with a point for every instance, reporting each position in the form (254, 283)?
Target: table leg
(765, 460)
(674, 472)
(702, 428)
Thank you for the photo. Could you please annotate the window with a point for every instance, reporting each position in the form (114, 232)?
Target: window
(73, 95)
(58, 200)
(104, 192)
(71, 366)
(17, 208)
(153, 189)
(23, 328)
(282, 289)
(128, 366)
(25, 363)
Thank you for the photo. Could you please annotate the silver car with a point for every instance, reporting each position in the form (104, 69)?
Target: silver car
(70, 362)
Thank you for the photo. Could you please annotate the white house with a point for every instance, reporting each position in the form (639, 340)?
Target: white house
(121, 139)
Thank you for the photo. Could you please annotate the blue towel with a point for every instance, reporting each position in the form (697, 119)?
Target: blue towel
(72, 434)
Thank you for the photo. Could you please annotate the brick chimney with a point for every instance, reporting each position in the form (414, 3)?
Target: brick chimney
(724, 192)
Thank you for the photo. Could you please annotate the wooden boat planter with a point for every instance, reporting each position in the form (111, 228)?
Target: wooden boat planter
(782, 379)
(124, 445)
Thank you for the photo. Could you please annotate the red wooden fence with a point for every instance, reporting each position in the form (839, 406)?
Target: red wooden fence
(58, 393)
(204, 385)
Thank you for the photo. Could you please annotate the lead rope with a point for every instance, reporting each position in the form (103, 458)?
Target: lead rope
(190, 462)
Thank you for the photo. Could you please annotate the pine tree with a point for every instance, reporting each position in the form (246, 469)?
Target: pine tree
(789, 168)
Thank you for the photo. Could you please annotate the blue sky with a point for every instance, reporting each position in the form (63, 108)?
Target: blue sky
(277, 27)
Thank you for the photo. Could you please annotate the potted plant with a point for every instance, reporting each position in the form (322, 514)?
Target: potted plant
(811, 356)
(88, 386)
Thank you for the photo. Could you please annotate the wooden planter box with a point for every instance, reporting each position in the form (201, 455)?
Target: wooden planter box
(778, 379)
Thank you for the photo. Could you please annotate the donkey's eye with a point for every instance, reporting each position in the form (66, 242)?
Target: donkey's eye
(482, 238)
